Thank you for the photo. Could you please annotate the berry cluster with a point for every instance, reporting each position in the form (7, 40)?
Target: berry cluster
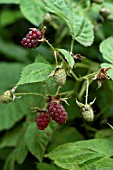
(32, 39)
(42, 120)
(55, 111)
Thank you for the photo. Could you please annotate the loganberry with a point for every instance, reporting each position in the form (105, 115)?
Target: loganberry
(32, 39)
(60, 76)
(42, 120)
(57, 112)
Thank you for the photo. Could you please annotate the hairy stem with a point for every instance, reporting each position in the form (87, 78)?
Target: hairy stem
(29, 93)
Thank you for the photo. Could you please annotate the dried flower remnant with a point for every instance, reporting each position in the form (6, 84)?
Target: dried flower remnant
(101, 75)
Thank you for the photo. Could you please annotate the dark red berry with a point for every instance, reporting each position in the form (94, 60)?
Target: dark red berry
(32, 39)
(42, 120)
(57, 112)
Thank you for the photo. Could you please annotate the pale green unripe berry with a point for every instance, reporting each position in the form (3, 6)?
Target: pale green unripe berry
(60, 76)
(6, 97)
(87, 113)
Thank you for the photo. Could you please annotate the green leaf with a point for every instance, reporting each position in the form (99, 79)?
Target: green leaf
(66, 135)
(12, 73)
(13, 112)
(80, 27)
(37, 140)
(106, 48)
(11, 137)
(110, 71)
(33, 11)
(68, 57)
(85, 35)
(10, 161)
(9, 17)
(45, 166)
(9, 1)
(40, 59)
(58, 7)
(82, 154)
(21, 150)
(13, 51)
(104, 133)
(35, 72)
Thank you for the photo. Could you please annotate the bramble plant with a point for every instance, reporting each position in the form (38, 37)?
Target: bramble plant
(56, 87)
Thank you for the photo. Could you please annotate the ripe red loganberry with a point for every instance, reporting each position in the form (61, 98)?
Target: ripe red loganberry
(32, 39)
(42, 120)
(57, 112)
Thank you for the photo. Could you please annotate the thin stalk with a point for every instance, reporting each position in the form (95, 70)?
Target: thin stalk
(72, 45)
(73, 74)
(58, 89)
(87, 88)
(34, 94)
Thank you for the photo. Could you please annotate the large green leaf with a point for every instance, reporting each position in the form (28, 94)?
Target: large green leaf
(66, 135)
(80, 27)
(37, 140)
(9, 17)
(32, 10)
(45, 166)
(83, 154)
(21, 150)
(13, 112)
(35, 72)
(68, 57)
(11, 138)
(106, 48)
(13, 51)
(12, 73)
(10, 161)
(9, 1)
(58, 7)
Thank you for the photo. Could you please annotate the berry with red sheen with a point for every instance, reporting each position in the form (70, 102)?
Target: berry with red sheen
(32, 39)
(42, 120)
(57, 112)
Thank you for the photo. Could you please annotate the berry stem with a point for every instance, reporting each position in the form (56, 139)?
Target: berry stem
(24, 94)
(87, 88)
(91, 75)
(58, 89)
(72, 45)
(73, 74)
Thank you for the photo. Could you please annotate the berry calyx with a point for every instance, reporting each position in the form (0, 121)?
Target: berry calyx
(42, 120)
(57, 112)
(32, 39)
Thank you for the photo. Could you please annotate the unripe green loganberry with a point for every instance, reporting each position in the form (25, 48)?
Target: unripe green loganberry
(87, 113)
(6, 97)
(98, 1)
(60, 76)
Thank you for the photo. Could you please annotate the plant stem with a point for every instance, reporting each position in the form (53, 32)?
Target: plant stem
(87, 88)
(24, 94)
(73, 74)
(58, 89)
(72, 44)
(88, 76)
(49, 45)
